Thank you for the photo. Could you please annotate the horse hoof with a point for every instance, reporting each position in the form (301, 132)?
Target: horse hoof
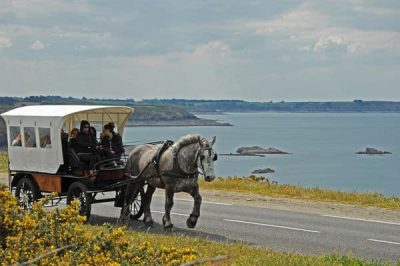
(123, 222)
(169, 228)
(191, 222)
(148, 223)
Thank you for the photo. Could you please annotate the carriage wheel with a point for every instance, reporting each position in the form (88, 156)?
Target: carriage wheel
(78, 191)
(136, 207)
(27, 193)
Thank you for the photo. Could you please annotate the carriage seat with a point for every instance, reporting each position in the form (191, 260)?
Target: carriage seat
(74, 160)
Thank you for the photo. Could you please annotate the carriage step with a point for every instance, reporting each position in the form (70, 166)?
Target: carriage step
(103, 200)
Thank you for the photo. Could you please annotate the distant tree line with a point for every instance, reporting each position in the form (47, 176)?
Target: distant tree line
(243, 106)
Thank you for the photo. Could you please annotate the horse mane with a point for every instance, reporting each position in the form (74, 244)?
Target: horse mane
(186, 140)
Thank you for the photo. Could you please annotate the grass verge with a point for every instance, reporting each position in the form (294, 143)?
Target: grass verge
(3, 162)
(238, 253)
(258, 186)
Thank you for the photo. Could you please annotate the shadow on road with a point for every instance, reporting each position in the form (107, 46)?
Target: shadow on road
(138, 225)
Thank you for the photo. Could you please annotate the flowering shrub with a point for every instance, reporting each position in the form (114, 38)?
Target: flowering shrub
(27, 235)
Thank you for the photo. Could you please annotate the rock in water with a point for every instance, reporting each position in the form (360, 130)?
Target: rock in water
(373, 151)
(263, 171)
(259, 150)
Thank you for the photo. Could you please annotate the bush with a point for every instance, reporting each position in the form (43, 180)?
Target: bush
(62, 238)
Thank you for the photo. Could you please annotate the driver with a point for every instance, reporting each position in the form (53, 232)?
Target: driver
(86, 145)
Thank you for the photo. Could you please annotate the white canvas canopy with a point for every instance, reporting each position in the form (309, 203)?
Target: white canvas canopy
(40, 126)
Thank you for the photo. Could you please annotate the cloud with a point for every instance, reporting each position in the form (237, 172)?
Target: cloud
(211, 52)
(80, 47)
(250, 49)
(293, 21)
(376, 11)
(37, 45)
(5, 42)
(357, 41)
(30, 8)
(305, 26)
(213, 48)
(327, 42)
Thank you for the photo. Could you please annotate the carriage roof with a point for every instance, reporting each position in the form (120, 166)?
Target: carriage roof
(54, 118)
(97, 113)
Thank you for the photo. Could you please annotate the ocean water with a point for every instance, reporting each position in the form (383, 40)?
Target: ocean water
(322, 147)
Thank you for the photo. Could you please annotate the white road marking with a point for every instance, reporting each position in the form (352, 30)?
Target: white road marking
(207, 202)
(359, 219)
(384, 241)
(272, 225)
(172, 213)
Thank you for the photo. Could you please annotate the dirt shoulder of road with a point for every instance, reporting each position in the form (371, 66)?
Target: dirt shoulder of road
(3, 178)
(305, 206)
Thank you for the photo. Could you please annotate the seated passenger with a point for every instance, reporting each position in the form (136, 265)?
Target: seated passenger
(17, 141)
(86, 145)
(111, 142)
(73, 139)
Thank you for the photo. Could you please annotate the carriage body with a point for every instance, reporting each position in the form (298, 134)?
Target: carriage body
(37, 159)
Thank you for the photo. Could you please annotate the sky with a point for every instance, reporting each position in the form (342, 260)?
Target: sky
(308, 50)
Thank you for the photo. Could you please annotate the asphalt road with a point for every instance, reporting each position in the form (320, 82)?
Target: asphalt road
(280, 230)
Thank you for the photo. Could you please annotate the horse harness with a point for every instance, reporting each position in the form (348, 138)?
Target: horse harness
(176, 170)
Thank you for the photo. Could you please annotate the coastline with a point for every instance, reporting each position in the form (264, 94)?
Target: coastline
(177, 123)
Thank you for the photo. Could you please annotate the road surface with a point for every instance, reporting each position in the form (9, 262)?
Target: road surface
(277, 229)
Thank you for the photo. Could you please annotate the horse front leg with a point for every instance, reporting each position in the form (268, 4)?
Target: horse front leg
(169, 202)
(147, 219)
(194, 216)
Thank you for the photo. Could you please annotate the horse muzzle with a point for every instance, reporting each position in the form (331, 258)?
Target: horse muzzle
(209, 178)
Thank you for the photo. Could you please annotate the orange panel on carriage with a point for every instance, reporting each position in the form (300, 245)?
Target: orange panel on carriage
(48, 183)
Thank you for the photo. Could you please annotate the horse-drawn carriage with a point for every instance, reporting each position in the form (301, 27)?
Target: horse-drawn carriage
(39, 163)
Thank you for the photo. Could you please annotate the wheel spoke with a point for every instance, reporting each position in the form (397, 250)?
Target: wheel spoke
(25, 196)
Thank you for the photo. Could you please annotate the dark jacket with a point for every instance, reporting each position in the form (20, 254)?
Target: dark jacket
(73, 144)
(115, 144)
(86, 143)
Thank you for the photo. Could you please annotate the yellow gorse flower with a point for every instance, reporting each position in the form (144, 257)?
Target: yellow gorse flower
(26, 235)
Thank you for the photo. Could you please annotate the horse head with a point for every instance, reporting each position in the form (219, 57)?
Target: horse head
(206, 157)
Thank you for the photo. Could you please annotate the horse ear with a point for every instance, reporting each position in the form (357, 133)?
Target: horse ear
(213, 141)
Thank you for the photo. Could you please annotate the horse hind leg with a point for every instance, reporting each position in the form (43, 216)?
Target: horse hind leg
(169, 202)
(131, 192)
(194, 216)
(147, 219)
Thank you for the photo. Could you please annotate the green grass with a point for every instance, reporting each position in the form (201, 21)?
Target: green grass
(3, 162)
(266, 188)
(239, 253)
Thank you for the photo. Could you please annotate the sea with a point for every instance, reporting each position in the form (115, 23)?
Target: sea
(322, 147)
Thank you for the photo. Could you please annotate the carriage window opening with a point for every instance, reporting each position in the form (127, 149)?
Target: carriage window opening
(44, 136)
(30, 137)
(15, 136)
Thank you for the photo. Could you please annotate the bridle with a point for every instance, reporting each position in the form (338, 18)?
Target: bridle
(210, 149)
